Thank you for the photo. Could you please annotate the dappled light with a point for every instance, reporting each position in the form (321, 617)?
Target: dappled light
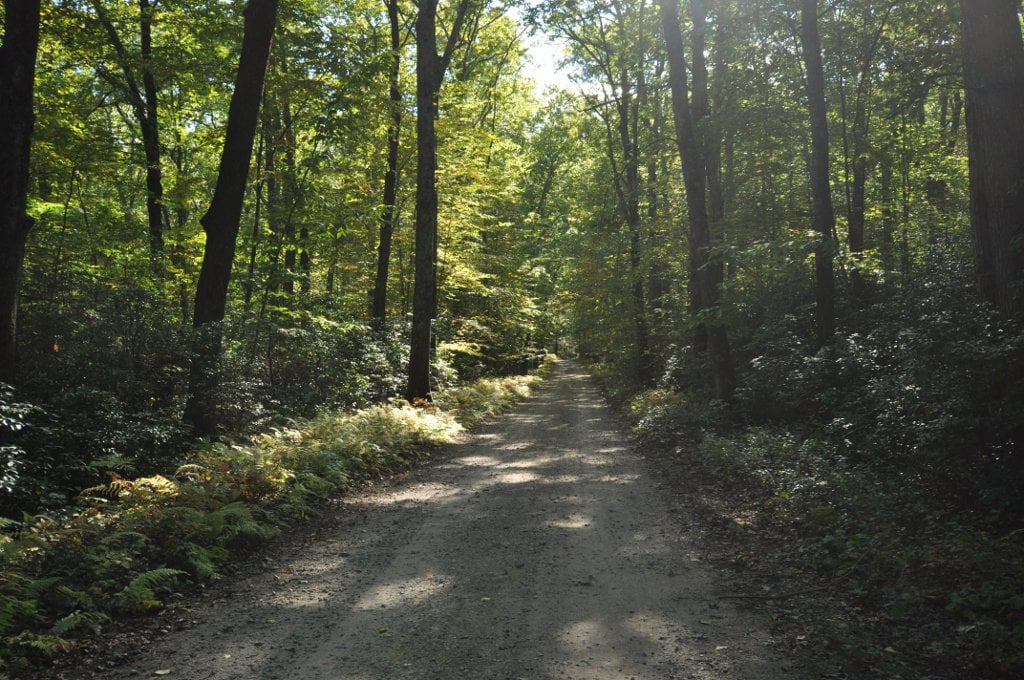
(404, 593)
(320, 272)
(515, 555)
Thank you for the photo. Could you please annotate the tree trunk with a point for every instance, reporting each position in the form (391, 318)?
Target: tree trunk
(428, 82)
(17, 80)
(430, 69)
(221, 221)
(631, 212)
(378, 307)
(710, 149)
(151, 135)
(855, 220)
(694, 175)
(821, 190)
(993, 57)
(145, 105)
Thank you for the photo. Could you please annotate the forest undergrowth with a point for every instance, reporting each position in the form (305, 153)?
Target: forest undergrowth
(125, 547)
(875, 482)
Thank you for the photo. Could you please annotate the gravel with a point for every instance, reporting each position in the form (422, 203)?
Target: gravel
(542, 546)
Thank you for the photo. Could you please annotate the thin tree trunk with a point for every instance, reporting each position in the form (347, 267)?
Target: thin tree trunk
(710, 149)
(151, 134)
(17, 80)
(221, 221)
(694, 175)
(378, 307)
(631, 210)
(993, 57)
(858, 191)
(145, 106)
(821, 190)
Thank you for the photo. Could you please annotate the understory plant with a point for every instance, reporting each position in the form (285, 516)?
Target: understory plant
(128, 544)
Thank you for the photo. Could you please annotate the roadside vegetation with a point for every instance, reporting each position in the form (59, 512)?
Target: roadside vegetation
(122, 548)
(879, 475)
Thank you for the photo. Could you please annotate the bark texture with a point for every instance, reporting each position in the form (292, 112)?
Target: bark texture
(993, 57)
(378, 304)
(694, 175)
(221, 221)
(17, 80)
(821, 191)
(430, 69)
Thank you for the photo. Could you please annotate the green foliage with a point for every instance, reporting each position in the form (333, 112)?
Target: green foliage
(139, 596)
(130, 541)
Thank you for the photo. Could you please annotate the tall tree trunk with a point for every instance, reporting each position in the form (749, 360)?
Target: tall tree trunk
(145, 106)
(707, 137)
(821, 191)
(428, 82)
(221, 221)
(378, 306)
(150, 127)
(858, 191)
(17, 80)
(430, 69)
(694, 175)
(631, 212)
(993, 57)
(886, 247)
(657, 286)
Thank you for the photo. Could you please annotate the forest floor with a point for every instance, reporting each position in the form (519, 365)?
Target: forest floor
(541, 546)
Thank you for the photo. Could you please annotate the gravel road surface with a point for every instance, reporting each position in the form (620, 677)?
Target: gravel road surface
(541, 547)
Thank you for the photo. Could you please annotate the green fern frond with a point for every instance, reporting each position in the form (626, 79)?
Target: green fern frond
(39, 586)
(138, 596)
(204, 560)
(16, 611)
(235, 522)
(77, 596)
(47, 644)
(79, 620)
(153, 577)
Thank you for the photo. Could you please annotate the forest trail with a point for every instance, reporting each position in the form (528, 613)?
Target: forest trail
(540, 547)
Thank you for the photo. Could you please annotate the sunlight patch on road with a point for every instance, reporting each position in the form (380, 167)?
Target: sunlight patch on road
(516, 477)
(650, 625)
(478, 461)
(573, 521)
(562, 479)
(418, 493)
(590, 647)
(536, 461)
(401, 593)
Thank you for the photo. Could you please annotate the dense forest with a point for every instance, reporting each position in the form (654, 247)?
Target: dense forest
(787, 236)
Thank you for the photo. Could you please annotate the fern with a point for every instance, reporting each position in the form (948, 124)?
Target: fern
(138, 597)
(204, 560)
(75, 596)
(78, 620)
(47, 644)
(118, 486)
(234, 523)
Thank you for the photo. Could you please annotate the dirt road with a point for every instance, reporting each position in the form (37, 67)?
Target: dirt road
(541, 547)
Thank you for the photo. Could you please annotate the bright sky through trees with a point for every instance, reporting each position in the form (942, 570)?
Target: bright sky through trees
(543, 56)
